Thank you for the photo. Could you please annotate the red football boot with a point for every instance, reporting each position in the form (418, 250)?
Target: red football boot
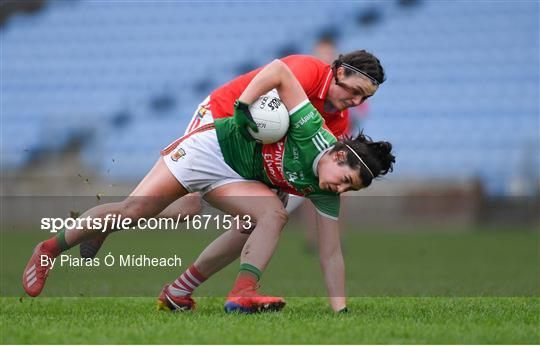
(249, 301)
(35, 274)
(168, 302)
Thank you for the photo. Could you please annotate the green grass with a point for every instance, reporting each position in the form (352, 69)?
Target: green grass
(479, 263)
(304, 320)
(467, 287)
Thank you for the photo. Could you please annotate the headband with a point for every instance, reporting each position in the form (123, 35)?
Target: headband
(357, 70)
(359, 158)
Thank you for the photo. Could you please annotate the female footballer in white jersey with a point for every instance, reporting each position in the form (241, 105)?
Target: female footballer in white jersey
(337, 167)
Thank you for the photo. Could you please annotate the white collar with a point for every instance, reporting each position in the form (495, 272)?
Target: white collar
(318, 158)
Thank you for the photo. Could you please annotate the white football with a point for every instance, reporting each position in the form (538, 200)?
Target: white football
(271, 116)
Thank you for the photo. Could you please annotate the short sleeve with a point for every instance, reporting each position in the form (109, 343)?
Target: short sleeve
(326, 205)
(305, 121)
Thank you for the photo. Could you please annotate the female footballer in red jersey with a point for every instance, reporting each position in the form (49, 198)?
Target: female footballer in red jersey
(352, 79)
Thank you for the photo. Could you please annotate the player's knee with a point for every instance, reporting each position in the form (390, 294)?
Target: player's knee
(193, 208)
(245, 227)
(282, 216)
(276, 215)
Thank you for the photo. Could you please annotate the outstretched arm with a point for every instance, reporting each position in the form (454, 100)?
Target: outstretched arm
(331, 260)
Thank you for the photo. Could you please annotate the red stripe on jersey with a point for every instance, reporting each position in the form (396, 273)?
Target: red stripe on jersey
(174, 144)
(325, 87)
(190, 127)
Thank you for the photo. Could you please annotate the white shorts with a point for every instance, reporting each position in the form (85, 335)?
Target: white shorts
(294, 202)
(195, 159)
(202, 116)
(197, 163)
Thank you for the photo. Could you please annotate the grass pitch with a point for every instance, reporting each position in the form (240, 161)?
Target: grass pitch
(474, 287)
(305, 320)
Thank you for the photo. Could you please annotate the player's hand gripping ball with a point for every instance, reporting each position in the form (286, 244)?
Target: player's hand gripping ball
(271, 117)
(244, 120)
(265, 121)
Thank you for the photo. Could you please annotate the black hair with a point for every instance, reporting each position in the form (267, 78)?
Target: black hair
(363, 61)
(377, 156)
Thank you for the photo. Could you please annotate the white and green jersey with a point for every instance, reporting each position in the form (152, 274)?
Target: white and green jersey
(291, 163)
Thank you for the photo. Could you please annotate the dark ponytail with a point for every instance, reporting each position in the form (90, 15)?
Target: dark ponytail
(377, 156)
(363, 61)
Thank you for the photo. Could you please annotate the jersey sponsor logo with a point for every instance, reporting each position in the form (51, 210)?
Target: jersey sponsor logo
(273, 163)
(296, 154)
(303, 120)
(320, 142)
(178, 154)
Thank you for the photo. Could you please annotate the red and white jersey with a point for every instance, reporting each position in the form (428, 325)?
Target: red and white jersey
(314, 75)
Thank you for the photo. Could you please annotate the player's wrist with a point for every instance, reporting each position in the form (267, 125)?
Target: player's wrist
(241, 105)
(244, 120)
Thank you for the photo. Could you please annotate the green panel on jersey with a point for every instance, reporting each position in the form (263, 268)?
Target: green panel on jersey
(240, 154)
(305, 122)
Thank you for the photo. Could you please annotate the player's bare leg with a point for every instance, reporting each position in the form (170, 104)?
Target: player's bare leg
(221, 252)
(226, 248)
(268, 213)
(176, 296)
(188, 205)
(157, 190)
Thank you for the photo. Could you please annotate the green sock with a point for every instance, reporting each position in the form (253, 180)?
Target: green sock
(61, 241)
(246, 267)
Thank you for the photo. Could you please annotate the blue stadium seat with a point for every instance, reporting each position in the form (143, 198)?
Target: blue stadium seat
(461, 96)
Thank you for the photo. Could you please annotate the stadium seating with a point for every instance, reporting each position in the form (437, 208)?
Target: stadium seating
(460, 100)
(91, 61)
(460, 97)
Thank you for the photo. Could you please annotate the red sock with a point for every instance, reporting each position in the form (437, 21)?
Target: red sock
(187, 282)
(244, 280)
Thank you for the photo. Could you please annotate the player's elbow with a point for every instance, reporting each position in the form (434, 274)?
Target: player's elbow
(280, 69)
(278, 64)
